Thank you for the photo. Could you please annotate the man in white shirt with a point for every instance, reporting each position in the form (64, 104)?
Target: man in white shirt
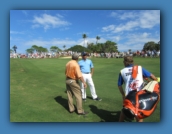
(131, 83)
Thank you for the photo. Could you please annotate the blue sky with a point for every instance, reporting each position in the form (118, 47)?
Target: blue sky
(130, 29)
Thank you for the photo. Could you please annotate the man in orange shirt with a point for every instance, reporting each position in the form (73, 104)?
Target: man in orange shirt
(73, 75)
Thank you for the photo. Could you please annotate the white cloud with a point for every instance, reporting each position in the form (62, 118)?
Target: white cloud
(16, 32)
(149, 19)
(133, 21)
(83, 43)
(108, 28)
(24, 12)
(90, 40)
(126, 27)
(37, 42)
(115, 38)
(35, 26)
(114, 14)
(48, 43)
(142, 19)
(141, 38)
(125, 15)
(48, 21)
(121, 27)
(129, 15)
(136, 41)
(60, 43)
(58, 15)
(125, 48)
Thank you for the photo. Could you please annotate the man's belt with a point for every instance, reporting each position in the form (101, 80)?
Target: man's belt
(69, 78)
(86, 72)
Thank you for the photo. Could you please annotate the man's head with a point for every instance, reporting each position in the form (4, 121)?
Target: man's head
(84, 55)
(128, 60)
(75, 56)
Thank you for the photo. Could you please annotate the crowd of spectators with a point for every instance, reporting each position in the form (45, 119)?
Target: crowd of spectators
(137, 53)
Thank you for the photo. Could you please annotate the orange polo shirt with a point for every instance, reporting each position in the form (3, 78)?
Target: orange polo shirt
(73, 70)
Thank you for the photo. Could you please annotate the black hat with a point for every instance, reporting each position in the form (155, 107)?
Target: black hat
(84, 54)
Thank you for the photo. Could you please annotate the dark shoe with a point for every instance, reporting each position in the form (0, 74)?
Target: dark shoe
(84, 113)
(84, 100)
(97, 99)
(72, 111)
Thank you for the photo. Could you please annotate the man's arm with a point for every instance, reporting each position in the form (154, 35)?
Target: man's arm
(153, 77)
(65, 71)
(92, 71)
(148, 74)
(122, 92)
(120, 82)
(82, 80)
(92, 68)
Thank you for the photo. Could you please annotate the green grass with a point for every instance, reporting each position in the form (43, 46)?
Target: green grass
(37, 90)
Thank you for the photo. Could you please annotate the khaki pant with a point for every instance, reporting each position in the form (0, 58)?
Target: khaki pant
(73, 89)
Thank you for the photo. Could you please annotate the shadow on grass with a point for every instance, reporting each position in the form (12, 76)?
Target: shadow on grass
(106, 116)
(62, 101)
(89, 97)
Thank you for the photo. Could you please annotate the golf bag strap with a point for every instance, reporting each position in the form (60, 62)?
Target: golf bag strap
(137, 101)
(137, 104)
(134, 71)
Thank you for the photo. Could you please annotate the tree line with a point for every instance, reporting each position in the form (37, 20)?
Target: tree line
(108, 46)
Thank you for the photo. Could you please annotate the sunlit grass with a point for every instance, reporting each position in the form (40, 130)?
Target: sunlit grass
(37, 90)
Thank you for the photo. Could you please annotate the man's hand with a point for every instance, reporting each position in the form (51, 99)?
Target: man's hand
(85, 85)
(123, 97)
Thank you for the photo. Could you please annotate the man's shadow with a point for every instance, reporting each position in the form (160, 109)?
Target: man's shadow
(106, 116)
(62, 101)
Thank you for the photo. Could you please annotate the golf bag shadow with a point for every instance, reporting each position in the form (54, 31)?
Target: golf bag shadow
(141, 104)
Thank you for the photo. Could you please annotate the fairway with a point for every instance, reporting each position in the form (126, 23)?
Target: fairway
(37, 90)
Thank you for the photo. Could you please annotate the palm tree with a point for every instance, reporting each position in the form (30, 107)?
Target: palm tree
(97, 38)
(84, 36)
(15, 48)
(64, 47)
(129, 50)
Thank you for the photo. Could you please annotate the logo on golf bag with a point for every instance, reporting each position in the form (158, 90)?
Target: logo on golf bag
(148, 99)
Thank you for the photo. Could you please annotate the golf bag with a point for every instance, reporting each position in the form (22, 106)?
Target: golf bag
(142, 104)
